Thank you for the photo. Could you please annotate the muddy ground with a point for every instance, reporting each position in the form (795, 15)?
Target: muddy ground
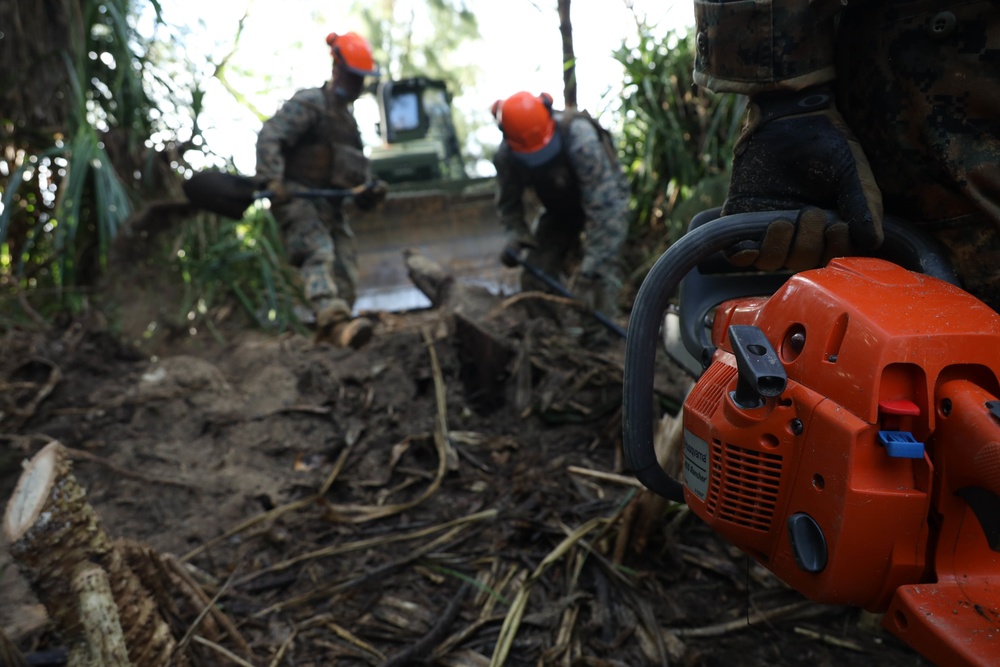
(427, 499)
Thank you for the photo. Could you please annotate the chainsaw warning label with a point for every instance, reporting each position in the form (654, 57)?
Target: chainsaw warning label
(695, 464)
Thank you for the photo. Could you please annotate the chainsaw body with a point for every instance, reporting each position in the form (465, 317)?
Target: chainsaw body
(845, 433)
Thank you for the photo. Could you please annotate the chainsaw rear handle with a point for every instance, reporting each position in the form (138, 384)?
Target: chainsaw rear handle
(715, 280)
(904, 244)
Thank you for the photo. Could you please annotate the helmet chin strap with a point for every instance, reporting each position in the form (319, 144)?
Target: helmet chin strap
(342, 87)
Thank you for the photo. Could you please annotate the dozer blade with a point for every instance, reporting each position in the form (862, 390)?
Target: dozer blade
(452, 223)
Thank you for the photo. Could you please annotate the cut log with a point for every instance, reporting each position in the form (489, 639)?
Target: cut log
(429, 277)
(52, 530)
(484, 355)
(446, 293)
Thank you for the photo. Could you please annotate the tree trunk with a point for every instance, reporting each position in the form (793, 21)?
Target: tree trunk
(54, 533)
(569, 58)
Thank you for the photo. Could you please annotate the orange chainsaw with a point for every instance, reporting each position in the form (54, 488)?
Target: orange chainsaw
(844, 430)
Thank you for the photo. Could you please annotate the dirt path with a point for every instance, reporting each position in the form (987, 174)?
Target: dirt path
(388, 505)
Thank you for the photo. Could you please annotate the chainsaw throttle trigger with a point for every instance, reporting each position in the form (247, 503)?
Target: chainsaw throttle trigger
(760, 372)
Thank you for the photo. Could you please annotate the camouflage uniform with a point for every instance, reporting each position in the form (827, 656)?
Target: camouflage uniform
(313, 142)
(583, 190)
(916, 80)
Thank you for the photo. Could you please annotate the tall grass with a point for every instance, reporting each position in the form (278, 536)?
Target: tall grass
(221, 260)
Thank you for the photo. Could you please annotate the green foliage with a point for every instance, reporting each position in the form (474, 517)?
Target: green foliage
(64, 199)
(425, 38)
(221, 260)
(676, 141)
(71, 180)
(422, 39)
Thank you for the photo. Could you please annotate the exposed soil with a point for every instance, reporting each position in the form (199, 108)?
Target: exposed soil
(403, 555)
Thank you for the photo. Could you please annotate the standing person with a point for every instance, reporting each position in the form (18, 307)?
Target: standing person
(878, 106)
(314, 142)
(570, 162)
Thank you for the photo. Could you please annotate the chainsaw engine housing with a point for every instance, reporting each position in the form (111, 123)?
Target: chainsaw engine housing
(827, 480)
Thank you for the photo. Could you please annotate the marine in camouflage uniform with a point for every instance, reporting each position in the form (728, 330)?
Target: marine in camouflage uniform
(298, 145)
(584, 197)
(918, 83)
(313, 142)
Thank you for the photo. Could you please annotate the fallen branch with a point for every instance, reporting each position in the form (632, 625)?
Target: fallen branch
(222, 651)
(447, 458)
(426, 644)
(830, 639)
(376, 573)
(81, 455)
(23, 414)
(368, 544)
(720, 629)
(606, 476)
(338, 466)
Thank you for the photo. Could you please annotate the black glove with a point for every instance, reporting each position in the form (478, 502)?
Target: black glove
(371, 196)
(516, 242)
(796, 152)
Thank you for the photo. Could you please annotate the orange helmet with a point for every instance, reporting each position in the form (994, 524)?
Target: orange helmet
(353, 52)
(528, 127)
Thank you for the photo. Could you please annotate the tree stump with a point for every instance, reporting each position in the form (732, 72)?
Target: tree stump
(53, 531)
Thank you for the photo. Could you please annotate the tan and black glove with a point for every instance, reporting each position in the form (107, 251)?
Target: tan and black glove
(797, 153)
(279, 193)
(587, 290)
(517, 241)
(373, 195)
(597, 293)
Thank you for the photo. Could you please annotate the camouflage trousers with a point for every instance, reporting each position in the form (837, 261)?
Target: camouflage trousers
(559, 251)
(320, 243)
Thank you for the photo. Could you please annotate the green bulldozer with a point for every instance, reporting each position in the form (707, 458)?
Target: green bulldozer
(433, 207)
(419, 142)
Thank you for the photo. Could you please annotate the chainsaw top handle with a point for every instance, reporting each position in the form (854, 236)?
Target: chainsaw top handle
(710, 234)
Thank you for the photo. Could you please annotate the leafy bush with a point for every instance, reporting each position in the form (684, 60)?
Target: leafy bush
(221, 259)
(676, 140)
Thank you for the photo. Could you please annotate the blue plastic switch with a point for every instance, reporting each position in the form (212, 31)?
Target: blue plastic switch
(901, 444)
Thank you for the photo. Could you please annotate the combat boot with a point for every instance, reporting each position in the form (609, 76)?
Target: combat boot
(336, 327)
(354, 333)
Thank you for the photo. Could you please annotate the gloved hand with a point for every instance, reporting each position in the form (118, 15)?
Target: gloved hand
(279, 191)
(598, 292)
(797, 152)
(516, 242)
(586, 289)
(371, 196)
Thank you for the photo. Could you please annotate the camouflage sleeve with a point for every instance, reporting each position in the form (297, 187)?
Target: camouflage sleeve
(283, 129)
(749, 46)
(510, 193)
(605, 195)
